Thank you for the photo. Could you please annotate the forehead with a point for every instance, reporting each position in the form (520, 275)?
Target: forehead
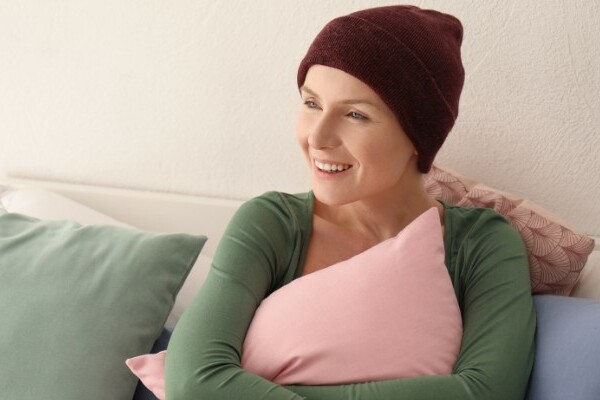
(336, 85)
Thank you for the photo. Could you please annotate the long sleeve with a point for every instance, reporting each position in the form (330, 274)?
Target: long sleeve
(487, 262)
(491, 277)
(203, 357)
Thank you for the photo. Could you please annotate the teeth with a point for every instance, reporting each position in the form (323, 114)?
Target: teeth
(331, 167)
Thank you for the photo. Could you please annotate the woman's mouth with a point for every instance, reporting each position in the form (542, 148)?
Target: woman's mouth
(331, 167)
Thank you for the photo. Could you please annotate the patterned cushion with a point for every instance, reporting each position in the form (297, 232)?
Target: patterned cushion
(557, 253)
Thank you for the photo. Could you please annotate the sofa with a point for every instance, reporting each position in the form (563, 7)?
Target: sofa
(567, 360)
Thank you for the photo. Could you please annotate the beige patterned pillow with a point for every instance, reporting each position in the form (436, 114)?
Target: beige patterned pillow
(557, 253)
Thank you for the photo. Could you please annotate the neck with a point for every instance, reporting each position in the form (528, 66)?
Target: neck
(382, 216)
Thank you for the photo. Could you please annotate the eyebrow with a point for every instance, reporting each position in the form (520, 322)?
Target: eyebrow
(349, 101)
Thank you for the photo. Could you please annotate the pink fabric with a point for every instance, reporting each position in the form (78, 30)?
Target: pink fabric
(557, 253)
(386, 313)
(389, 312)
(150, 368)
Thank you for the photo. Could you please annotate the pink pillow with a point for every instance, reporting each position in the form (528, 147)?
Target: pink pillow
(386, 313)
(557, 254)
(150, 368)
(389, 312)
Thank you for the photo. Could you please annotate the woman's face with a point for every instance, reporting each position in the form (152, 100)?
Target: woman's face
(353, 142)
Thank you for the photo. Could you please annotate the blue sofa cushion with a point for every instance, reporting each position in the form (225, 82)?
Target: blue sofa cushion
(567, 361)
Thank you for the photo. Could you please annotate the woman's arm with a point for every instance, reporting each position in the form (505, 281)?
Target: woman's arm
(499, 321)
(203, 358)
(497, 350)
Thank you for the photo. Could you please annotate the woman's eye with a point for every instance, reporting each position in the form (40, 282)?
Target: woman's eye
(310, 104)
(356, 115)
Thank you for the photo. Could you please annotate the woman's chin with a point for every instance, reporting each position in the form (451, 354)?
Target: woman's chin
(332, 197)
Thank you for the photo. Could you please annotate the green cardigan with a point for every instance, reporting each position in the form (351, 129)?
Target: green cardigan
(264, 248)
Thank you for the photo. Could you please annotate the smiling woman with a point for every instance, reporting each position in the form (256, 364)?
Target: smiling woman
(380, 90)
(374, 151)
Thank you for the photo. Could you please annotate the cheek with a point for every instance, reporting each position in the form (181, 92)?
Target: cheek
(302, 131)
(387, 153)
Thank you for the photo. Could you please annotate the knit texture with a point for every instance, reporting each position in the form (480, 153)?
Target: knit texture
(410, 57)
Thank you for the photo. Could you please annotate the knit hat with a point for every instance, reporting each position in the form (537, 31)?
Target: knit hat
(410, 57)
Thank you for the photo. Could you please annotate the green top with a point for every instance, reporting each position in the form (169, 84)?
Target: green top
(264, 248)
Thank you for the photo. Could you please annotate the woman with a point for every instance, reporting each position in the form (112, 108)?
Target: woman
(380, 90)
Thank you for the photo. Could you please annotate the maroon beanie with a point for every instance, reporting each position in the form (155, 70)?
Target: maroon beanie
(410, 57)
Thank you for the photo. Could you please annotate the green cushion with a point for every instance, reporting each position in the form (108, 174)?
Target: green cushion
(76, 301)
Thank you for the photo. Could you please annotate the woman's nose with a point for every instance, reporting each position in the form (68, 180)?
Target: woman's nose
(323, 133)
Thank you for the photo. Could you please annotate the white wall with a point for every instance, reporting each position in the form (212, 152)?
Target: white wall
(199, 97)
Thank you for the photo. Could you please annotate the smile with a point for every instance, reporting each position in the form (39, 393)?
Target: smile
(325, 167)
